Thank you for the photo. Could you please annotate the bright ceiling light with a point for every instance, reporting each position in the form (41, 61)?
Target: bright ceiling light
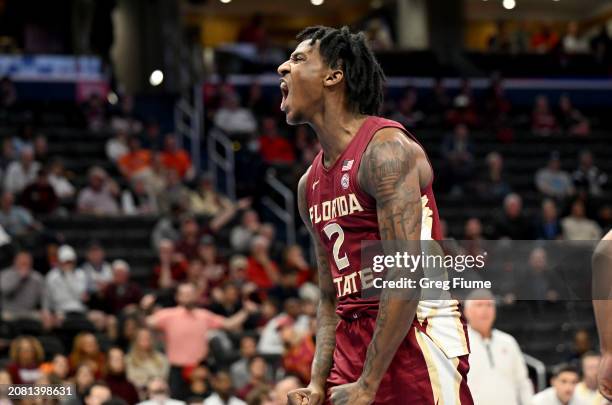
(317, 2)
(225, 1)
(509, 4)
(156, 78)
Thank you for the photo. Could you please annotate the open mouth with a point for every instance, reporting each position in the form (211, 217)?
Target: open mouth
(285, 93)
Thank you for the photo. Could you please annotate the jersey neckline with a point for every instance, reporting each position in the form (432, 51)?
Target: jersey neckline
(348, 146)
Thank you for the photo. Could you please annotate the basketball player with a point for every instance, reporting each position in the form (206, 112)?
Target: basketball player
(371, 181)
(602, 305)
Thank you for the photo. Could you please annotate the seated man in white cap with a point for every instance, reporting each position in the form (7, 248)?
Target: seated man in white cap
(66, 292)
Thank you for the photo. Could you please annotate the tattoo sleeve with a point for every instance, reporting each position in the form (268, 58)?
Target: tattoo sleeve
(327, 319)
(389, 173)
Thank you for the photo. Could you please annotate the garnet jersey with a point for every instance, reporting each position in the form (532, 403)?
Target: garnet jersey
(343, 215)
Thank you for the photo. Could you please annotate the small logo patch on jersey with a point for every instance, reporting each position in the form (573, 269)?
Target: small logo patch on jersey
(347, 164)
(344, 181)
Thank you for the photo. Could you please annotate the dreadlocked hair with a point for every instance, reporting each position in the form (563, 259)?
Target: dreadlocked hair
(363, 76)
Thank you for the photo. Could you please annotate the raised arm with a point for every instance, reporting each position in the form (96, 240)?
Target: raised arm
(602, 305)
(390, 173)
(327, 319)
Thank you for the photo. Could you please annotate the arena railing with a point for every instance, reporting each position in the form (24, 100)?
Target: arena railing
(285, 213)
(221, 163)
(540, 369)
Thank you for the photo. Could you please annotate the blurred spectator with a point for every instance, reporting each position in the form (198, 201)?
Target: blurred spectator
(539, 283)
(571, 41)
(158, 393)
(270, 341)
(223, 391)
(543, 121)
(257, 103)
(262, 270)
(16, 220)
(439, 101)
(8, 154)
(8, 92)
(117, 146)
(196, 276)
(168, 227)
(97, 394)
(274, 148)
(564, 381)
(214, 267)
(378, 35)
(498, 373)
(143, 362)
(571, 120)
(188, 243)
(186, 330)
(582, 343)
(554, 182)
(499, 41)
(97, 270)
(286, 287)
(241, 235)
(125, 120)
(577, 226)
(59, 181)
(86, 351)
(463, 109)
(283, 387)
(41, 149)
(299, 350)
(498, 108)
(94, 112)
(100, 197)
(26, 356)
(22, 288)
(232, 118)
(21, 172)
(294, 261)
(151, 138)
(137, 162)
(407, 113)
(66, 285)
(588, 176)
(171, 267)
(512, 222)
(121, 293)
(493, 184)
(205, 200)
(586, 391)
(116, 379)
(198, 383)
(83, 379)
(174, 192)
(258, 376)
(138, 199)
(240, 368)
(59, 369)
(544, 40)
(605, 218)
(39, 197)
(601, 45)
(175, 158)
(458, 153)
(548, 226)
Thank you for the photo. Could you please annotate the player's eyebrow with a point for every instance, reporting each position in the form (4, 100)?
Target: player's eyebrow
(296, 54)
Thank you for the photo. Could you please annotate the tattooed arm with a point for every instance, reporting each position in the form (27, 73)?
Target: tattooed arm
(389, 172)
(327, 319)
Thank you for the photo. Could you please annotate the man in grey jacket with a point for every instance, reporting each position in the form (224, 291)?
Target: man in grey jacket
(22, 288)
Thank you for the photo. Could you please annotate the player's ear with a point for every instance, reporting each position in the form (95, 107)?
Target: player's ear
(333, 77)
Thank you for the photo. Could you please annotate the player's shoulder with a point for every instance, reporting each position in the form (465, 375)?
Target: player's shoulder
(304, 180)
(604, 247)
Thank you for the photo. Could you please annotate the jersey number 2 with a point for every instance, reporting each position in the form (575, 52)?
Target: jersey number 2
(330, 230)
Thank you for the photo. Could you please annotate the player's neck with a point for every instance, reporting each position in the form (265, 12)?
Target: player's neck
(335, 129)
